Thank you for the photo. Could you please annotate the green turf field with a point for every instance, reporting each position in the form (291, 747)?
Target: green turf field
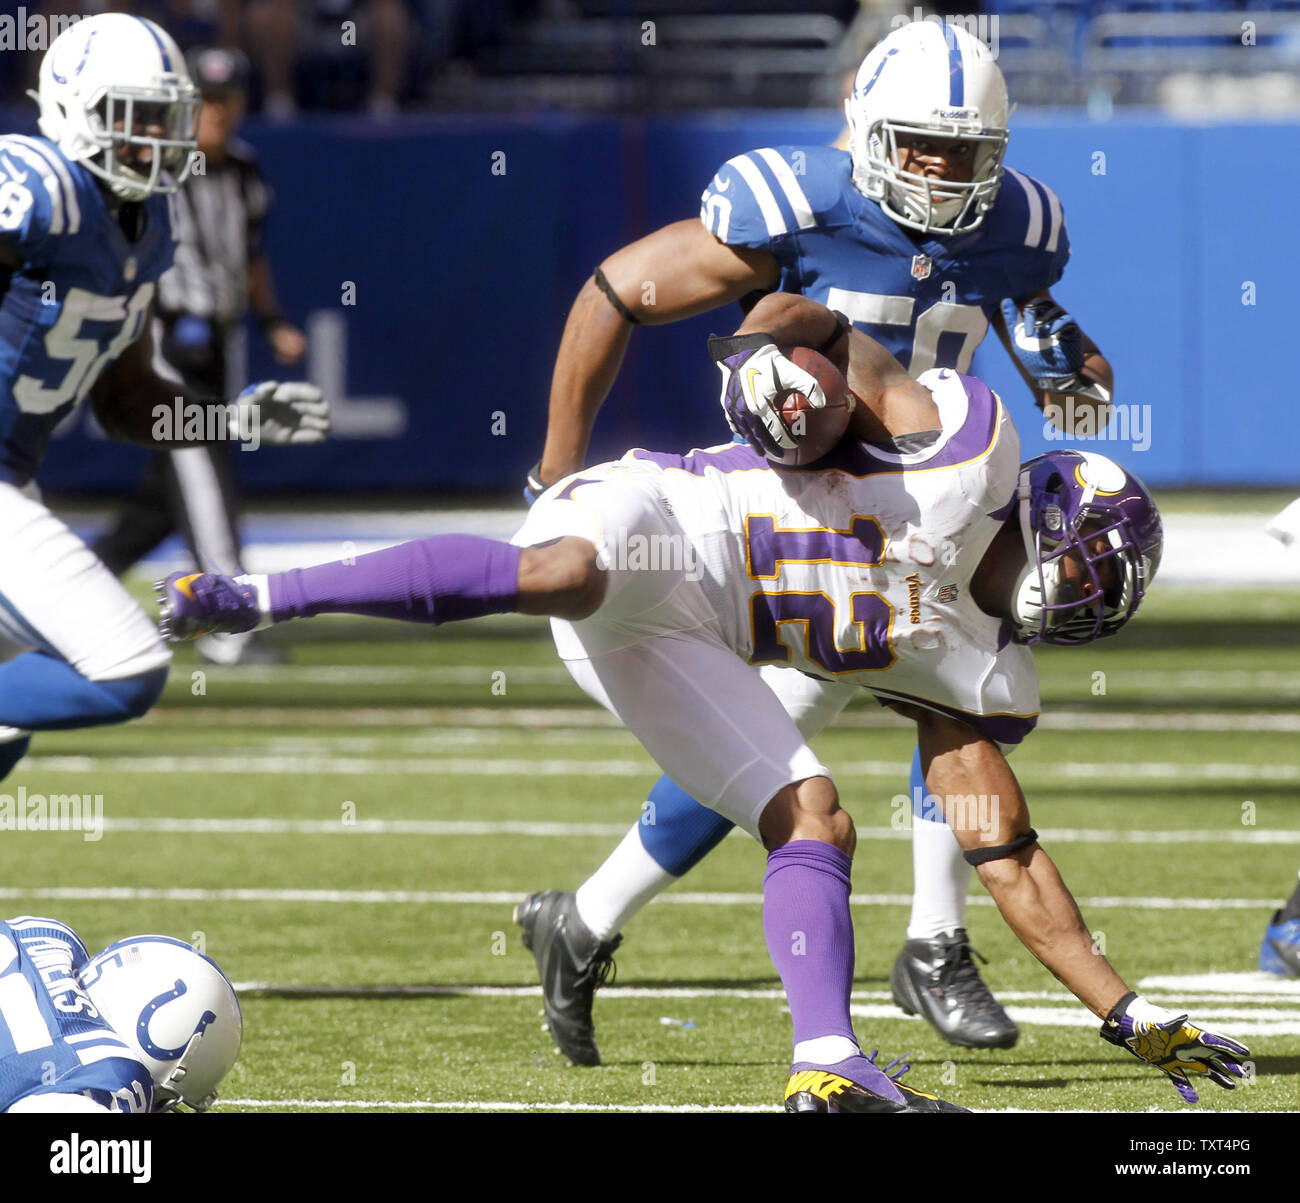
(367, 815)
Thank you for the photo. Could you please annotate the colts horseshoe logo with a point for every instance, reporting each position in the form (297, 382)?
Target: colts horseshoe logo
(142, 1025)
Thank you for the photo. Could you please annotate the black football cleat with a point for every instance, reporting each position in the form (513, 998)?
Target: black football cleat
(923, 1101)
(573, 965)
(937, 980)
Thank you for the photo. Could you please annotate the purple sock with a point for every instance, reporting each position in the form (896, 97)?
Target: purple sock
(810, 935)
(440, 579)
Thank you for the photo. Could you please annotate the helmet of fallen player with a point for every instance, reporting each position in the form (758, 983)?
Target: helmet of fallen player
(176, 1009)
(114, 81)
(928, 79)
(1082, 505)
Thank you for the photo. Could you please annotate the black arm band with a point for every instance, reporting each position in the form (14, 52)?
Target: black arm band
(842, 327)
(980, 856)
(534, 479)
(1117, 1011)
(270, 321)
(613, 298)
(721, 346)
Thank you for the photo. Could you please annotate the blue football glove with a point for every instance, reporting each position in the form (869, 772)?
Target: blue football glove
(282, 413)
(1172, 1043)
(1049, 345)
(754, 375)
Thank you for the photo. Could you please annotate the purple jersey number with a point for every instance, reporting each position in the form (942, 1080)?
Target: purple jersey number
(858, 547)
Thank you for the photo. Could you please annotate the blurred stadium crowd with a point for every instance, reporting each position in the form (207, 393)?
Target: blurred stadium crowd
(386, 56)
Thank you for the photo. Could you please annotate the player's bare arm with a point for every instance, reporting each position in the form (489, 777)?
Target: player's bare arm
(127, 396)
(1087, 413)
(690, 271)
(127, 392)
(959, 764)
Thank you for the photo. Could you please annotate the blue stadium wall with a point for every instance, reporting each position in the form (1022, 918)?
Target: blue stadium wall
(436, 260)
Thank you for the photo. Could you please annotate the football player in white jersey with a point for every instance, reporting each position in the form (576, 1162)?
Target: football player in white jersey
(148, 1024)
(85, 233)
(917, 574)
(924, 239)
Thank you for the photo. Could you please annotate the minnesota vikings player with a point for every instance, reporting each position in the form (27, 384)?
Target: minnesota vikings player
(85, 233)
(923, 239)
(146, 1025)
(833, 571)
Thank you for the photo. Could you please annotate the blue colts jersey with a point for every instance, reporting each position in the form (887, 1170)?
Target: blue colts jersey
(52, 1039)
(78, 299)
(927, 300)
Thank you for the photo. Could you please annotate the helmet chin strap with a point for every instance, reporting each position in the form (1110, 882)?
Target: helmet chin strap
(937, 213)
(1027, 598)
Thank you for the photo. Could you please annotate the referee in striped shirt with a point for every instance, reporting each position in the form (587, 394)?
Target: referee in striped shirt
(220, 272)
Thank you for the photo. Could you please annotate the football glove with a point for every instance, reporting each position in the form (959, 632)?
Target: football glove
(1049, 345)
(282, 413)
(1172, 1043)
(754, 375)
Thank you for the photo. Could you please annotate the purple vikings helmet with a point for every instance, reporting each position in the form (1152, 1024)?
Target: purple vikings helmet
(1070, 501)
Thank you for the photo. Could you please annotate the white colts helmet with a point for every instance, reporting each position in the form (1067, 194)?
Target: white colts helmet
(175, 1008)
(103, 83)
(928, 78)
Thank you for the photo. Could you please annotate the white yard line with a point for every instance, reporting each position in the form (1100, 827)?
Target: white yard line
(472, 1105)
(508, 898)
(505, 767)
(1254, 988)
(504, 827)
(485, 674)
(548, 719)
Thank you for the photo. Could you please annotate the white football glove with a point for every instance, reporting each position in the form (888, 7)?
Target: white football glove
(755, 375)
(282, 413)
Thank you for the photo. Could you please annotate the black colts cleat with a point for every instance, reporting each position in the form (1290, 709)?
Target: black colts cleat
(937, 980)
(573, 965)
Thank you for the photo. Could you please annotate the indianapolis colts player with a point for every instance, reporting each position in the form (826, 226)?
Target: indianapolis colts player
(831, 570)
(146, 1025)
(922, 237)
(85, 233)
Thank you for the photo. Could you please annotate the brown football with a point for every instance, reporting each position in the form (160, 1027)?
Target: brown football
(815, 431)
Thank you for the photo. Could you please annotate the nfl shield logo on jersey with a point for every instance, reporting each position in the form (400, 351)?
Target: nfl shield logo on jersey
(921, 266)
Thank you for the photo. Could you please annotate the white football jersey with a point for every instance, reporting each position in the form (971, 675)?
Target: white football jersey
(860, 570)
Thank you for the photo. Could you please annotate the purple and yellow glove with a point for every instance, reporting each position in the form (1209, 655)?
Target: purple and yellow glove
(754, 375)
(1170, 1042)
